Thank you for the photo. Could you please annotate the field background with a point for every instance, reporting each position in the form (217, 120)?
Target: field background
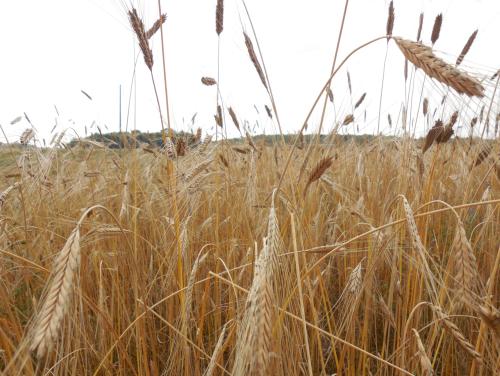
(191, 254)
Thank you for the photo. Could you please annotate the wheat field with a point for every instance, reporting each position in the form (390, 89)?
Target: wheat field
(287, 255)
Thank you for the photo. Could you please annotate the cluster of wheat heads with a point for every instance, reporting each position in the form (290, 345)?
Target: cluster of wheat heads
(188, 260)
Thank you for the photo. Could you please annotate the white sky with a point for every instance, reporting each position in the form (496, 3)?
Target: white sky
(53, 49)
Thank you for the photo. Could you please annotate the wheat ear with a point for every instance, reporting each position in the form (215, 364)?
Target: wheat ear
(254, 343)
(425, 362)
(215, 355)
(466, 275)
(255, 61)
(456, 333)
(423, 57)
(56, 302)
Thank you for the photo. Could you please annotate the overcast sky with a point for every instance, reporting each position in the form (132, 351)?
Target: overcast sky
(53, 49)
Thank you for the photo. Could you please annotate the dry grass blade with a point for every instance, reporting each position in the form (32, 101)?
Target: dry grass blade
(423, 57)
(255, 61)
(48, 320)
(318, 171)
(425, 362)
(466, 48)
(219, 17)
(390, 21)
(208, 81)
(436, 29)
(138, 27)
(156, 26)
